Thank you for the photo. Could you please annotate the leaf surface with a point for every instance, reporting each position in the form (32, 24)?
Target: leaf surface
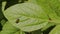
(27, 16)
(55, 30)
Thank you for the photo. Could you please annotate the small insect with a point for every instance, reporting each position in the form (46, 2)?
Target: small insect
(17, 21)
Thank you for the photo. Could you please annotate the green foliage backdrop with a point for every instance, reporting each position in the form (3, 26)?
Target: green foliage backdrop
(29, 16)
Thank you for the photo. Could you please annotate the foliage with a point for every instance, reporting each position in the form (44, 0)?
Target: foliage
(29, 17)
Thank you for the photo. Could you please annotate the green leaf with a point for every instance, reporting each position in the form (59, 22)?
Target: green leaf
(26, 9)
(3, 21)
(50, 6)
(32, 1)
(8, 29)
(19, 32)
(27, 16)
(47, 26)
(56, 30)
(32, 27)
(38, 31)
(1, 14)
(55, 5)
(46, 5)
(3, 5)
